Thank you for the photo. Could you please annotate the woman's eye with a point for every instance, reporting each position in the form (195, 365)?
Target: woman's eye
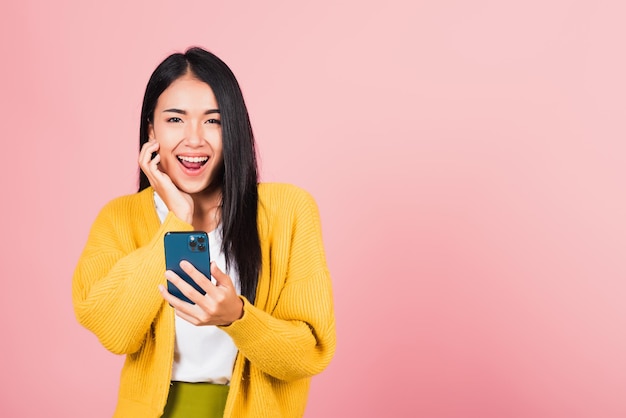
(175, 119)
(214, 121)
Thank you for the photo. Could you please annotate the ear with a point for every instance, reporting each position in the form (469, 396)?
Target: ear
(150, 131)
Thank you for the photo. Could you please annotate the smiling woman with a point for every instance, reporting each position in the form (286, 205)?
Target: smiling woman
(187, 121)
(186, 132)
(263, 325)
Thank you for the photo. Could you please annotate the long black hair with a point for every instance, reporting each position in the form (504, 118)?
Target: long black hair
(239, 176)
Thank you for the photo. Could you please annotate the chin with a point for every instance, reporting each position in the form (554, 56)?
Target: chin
(195, 190)
(192, 188)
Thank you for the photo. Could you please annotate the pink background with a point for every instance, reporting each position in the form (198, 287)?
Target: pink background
(468, 158)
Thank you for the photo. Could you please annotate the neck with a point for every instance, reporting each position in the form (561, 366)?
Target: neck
(207, 209)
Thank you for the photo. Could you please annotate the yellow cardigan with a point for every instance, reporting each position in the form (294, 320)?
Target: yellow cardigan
(284, 339)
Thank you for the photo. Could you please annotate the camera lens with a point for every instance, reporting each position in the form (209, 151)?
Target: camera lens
(201, 239)
(201, 247)
(192, 242)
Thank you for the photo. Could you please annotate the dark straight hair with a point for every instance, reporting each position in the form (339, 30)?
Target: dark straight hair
(239, 176)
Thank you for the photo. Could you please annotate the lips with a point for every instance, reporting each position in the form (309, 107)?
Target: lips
(192, 162)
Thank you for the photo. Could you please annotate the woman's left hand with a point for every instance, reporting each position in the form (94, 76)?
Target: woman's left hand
(219, 306)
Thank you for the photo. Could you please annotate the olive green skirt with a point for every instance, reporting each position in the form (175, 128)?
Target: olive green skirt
(196, 400)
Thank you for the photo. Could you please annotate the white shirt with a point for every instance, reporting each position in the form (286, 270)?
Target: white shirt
(203, 353)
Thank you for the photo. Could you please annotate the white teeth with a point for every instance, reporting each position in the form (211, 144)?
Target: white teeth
(193, 159)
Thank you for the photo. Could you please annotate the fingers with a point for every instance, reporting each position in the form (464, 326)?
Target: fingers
(145, 155)
(219, 306)
(231, 304)
(148, 164)
(178, 202)
(185, 288)
(197, 276)
(183, 309)
(188, 290)
(175, 302)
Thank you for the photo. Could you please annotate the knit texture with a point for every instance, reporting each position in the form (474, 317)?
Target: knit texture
(285, 338)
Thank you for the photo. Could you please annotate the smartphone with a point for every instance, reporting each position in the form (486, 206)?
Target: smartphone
(193, 247)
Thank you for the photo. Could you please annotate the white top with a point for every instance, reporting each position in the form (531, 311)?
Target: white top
(203, 353)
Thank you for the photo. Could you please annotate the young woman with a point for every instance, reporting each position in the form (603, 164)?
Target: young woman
(249, 346)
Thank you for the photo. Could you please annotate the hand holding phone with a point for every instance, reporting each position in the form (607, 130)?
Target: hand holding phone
(193, 247)
(220, 304)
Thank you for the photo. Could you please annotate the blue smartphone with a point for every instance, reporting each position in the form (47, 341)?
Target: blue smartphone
(193, 247)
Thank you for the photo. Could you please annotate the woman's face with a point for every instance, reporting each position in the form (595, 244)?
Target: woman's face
(186, 125)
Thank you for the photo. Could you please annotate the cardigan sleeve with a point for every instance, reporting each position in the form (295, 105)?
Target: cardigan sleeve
(297, 339)
(115, 284)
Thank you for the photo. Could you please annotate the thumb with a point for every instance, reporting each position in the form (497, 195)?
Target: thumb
(221, 278)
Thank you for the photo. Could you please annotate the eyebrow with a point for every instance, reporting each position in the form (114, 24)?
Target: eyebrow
(184, 112)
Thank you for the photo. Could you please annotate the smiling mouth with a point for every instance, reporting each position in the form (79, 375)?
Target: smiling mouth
(192, 163)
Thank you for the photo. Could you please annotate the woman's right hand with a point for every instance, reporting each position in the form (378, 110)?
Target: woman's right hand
(177, 201)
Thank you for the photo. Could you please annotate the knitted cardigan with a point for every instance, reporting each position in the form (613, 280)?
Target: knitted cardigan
(286, 337)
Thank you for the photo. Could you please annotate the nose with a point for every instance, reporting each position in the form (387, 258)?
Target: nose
(194, 133)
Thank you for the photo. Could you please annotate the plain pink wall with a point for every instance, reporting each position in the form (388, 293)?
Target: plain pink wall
(468, 158)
